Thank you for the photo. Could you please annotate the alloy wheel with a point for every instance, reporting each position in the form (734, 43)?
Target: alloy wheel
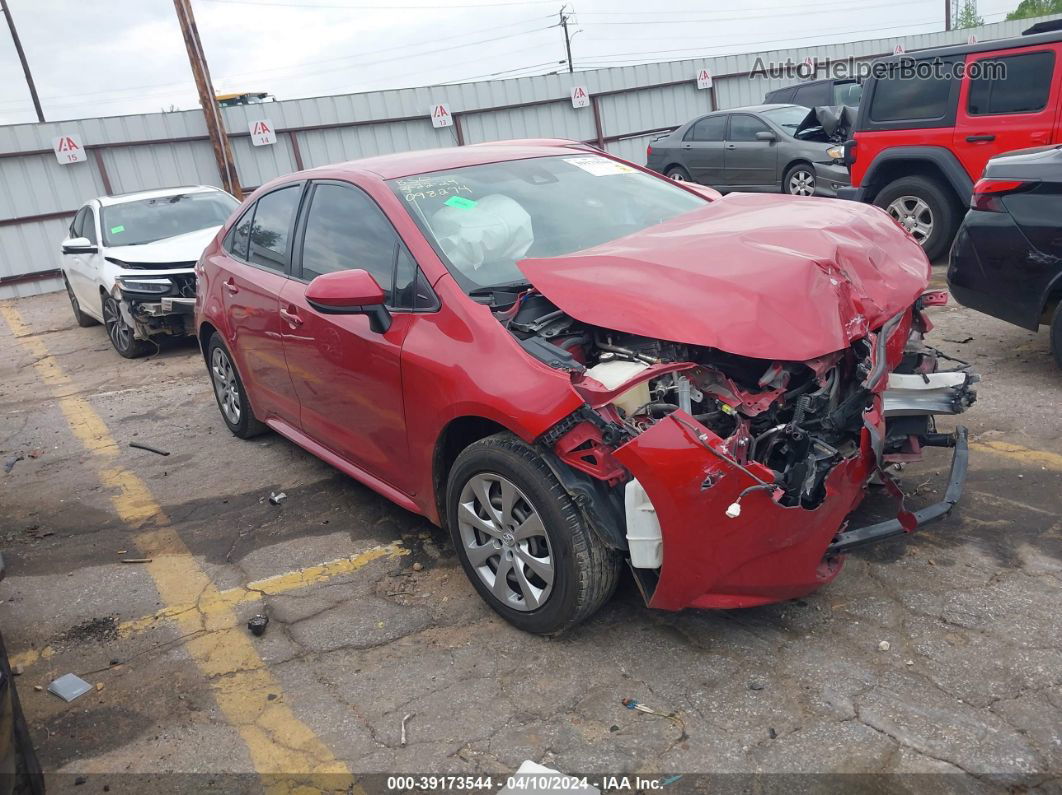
(120, 332)
(914, 215)
(505, 541)
(802, 183)
(677, 176)
(226, 388)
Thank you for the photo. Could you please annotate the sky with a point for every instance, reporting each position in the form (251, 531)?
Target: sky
(113, 57)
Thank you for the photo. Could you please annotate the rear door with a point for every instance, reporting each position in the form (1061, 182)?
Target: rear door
(703, 149)
(1008, 101)
(748, 162)
(253, 268)
(348, 377)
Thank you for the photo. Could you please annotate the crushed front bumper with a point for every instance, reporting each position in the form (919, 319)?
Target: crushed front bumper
(767, 552)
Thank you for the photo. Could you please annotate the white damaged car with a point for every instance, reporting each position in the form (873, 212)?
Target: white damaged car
(128, 261)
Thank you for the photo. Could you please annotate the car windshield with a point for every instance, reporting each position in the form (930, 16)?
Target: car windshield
(483, 219)
(788, 118)
(147, 220)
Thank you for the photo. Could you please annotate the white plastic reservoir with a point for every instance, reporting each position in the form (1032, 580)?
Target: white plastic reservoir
(643, 528)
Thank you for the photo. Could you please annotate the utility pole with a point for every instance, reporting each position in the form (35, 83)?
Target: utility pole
(22, 58)
(567, 38)
(947, 14)
(211, 112)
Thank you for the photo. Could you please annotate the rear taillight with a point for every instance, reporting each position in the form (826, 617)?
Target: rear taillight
(648, 151)
(987, 193)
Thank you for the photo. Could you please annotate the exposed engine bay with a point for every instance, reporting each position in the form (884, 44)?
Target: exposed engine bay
(159, 302)
(795, 420)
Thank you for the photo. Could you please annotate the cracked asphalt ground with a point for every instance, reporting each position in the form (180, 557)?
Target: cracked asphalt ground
(371, 618)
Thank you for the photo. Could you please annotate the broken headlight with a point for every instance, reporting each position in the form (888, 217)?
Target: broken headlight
(157, 286)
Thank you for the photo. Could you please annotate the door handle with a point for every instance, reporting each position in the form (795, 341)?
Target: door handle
(977, 139)
(731, 146)
(230, 285)
(292, 316)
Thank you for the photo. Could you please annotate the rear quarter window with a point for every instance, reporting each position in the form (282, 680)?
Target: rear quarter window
(899, 99)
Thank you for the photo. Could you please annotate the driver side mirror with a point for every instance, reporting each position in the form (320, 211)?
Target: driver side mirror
(353, 292)
(79, 245)
(766, 135)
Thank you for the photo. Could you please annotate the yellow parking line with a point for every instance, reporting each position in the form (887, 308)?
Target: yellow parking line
(278, 742)
(1016, 452)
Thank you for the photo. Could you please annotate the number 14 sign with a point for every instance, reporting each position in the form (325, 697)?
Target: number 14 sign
(262, 132)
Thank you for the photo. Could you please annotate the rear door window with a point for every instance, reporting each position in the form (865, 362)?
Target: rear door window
(710, 128)
(899, 99)
(1011, 84)
(270, 244)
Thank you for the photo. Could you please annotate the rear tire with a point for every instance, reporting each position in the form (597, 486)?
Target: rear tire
(679, 174)
(1056, 334)
(80, 317)
(925, 208)
(230, 392)
(121, 333)
(556, 571)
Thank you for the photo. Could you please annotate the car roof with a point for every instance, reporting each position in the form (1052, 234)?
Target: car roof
(404, 164)
(756, 108)
(122, 198)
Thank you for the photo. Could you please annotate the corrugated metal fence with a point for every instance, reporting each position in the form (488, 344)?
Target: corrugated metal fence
(628, 106)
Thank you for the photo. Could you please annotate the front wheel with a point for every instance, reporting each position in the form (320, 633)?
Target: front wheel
(922, 207)
(522, 542)
(121, 334)
(799, 180)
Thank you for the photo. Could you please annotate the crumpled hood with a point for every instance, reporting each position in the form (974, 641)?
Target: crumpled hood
(180, 248)
(771, 277)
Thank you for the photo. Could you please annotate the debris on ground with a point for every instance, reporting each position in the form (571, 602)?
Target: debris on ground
(69, 686)
(38, 688)
(149, 448)
(136, 560)
(418, 567)
(17, 670)
(402, 741)
(11, 460)
(756, 684)
(630, 703)
(99, 686)
(258, 625)
(275, 497)
(884, 646)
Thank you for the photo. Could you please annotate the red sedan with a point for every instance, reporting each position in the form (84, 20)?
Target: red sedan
(578, 366)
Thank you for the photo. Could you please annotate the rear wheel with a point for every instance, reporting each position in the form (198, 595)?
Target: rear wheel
(230, 392)
(679, 174)
(924, 208)
(522, 542)
(1056, 334)
(80, 317)
(121, 334)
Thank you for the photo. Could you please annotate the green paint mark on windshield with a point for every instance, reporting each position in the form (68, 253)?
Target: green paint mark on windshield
(117, 230)
(460, 202)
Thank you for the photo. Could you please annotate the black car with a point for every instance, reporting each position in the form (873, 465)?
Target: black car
(20, 773)
(1007, 258)
(815, 93)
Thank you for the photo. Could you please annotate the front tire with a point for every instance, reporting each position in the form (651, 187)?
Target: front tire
(924, 208)
(121, 334)
(230, 392)
(80, 317)
(522, 542)
(799, 180)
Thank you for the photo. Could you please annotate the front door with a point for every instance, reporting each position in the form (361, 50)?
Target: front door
(253, 267)
(348, 378)
(1008, 101)
(702, 149)
(749, 162)
(83, 268)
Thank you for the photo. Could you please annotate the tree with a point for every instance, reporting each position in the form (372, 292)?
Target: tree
(1035, 8)
(968, 17)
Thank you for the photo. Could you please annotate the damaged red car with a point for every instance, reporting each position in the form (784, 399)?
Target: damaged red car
(579, 367)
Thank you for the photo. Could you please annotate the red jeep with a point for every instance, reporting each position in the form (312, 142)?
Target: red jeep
(930, 120)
